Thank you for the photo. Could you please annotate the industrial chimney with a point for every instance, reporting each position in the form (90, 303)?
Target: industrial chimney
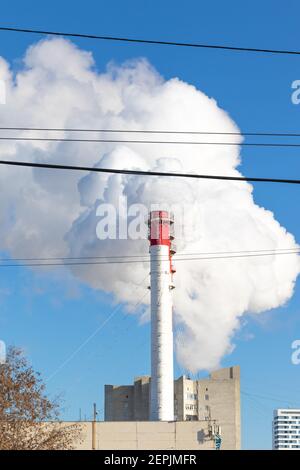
(161, 236)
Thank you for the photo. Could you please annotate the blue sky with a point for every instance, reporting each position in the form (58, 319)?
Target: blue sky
(50, 318)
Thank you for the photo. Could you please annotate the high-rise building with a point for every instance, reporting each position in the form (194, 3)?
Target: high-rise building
(286, 429)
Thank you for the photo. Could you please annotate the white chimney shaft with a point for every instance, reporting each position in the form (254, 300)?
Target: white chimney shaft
(162, 375)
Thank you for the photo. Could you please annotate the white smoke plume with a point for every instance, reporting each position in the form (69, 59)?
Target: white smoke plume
(44, 214)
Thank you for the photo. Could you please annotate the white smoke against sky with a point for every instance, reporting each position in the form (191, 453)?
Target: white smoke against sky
(45, 214)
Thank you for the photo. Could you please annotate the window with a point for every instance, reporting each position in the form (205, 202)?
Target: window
(191, 418)
(206, 396)
(191, 396)
(191, 407)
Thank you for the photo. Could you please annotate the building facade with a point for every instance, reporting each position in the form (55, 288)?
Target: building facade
(215, 399)
(286, 429)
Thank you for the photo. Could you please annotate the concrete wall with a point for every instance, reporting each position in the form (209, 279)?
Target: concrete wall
(146, 435)
(119, 402)
(128, 402)
(219, 399)
(141, 394)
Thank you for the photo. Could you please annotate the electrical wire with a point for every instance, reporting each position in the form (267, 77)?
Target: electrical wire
(106, 262)
(162, 142)
(270, 398)
(186, 254)
(94, 333)
(151, 131)
(150, 41)
(52, 166)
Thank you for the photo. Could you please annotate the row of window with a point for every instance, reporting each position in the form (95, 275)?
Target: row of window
(287, 447)
(191, 407)
(191, 396)
(286, 417)
(286, 427)
(286, 422)
(290, 431)
(285, 441)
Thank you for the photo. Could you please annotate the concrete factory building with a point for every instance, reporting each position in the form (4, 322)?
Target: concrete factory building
(157, 412)
(214, 400)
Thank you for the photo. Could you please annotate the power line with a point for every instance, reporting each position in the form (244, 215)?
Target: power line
(186, 255)
(52, 166)
(94, 333)
(151, 131)
(270, 398)
(125, 141)
(97, 263)
(152, 41)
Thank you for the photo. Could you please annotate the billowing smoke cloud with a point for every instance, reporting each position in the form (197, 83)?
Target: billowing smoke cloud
(46, 214)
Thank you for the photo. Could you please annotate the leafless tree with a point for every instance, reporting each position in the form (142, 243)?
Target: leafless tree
(28, 418)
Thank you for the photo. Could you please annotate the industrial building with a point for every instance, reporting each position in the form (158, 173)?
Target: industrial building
(286, 429)
(215, 400)
(157, 412)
